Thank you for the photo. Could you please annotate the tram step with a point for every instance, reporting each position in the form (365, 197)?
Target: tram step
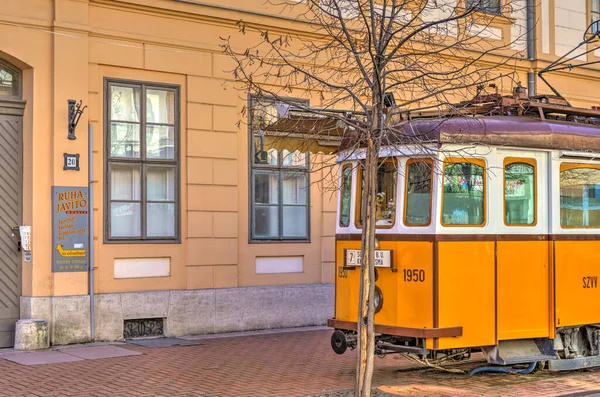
(574, 363)
(509, 352)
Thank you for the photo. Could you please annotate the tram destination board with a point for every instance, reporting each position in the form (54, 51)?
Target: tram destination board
(70, 229)
(383, 258)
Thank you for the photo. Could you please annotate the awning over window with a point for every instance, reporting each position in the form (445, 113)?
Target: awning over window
(303, 132)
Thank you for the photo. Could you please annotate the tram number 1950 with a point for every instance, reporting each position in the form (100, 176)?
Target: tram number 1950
(414, 275)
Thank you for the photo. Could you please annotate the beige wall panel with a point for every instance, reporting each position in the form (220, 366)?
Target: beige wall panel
(212, 144)
(66, 284)
(225, 224)
(117, 72)
(223, 66)
(580, 90)
(40, 10)
(200, 170)
(212, 91)
(212, 198)
(199, 277)
(328, 249)
(311, 266)
(212, 251)
(153, 26)
(105, 272)
(94, 79)
(569, 25)
(226, 118)
(117, 53)
(225, 172)
(142, 267)
(225, 276)
(94, 109)
(329, 222)
(71, 11)
(329, 201)
(330, 181)
(544, 23)
(200, 224)
(178, 60)
(328, 272)
(200, 116)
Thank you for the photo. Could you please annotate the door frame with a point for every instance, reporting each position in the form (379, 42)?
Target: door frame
(13, 107)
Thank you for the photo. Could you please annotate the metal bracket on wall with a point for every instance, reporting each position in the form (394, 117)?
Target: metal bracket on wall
(75, 112)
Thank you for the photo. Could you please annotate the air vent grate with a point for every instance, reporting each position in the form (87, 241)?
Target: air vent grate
(143, 327)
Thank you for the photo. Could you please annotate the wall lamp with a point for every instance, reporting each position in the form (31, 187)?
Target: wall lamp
(75, 112)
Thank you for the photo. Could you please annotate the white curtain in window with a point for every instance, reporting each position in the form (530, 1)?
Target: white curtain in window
(125, 183)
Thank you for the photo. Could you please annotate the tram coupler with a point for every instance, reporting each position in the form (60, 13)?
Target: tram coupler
(341, 341)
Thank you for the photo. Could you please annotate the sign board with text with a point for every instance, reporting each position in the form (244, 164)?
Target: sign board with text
(383, 258)
(70, 229)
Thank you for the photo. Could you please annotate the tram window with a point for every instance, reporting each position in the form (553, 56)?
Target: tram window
(580, 197)
(463, 195)
(387, 174)
(418, 193)
(519, 194)
(345, 196)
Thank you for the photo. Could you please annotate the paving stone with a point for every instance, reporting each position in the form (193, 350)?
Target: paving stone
(291, 364)
(159, 343)
(350, 393)
(97, 352)
(38, 358)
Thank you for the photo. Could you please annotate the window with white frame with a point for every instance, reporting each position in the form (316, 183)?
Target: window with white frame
(279, 182)
(142, 162)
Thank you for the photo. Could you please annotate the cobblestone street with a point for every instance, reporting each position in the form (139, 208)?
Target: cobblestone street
(294, 364)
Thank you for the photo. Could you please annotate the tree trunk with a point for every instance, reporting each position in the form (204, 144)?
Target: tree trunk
(366, 327)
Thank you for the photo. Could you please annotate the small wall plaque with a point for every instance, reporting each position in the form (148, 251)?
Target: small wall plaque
(71, 162)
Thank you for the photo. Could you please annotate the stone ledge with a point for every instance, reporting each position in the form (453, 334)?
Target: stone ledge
(186, 312)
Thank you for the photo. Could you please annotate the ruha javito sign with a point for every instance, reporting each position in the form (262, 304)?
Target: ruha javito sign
(70, 229)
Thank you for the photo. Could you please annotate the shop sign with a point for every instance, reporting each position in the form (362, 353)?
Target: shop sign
(70, 229)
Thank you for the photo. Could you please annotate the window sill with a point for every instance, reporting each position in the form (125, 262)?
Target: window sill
(266, 241)
(113, 241)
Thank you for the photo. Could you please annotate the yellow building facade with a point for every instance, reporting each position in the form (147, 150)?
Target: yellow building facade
(190, 236)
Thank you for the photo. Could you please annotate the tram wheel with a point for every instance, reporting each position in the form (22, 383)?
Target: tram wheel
(339, 344)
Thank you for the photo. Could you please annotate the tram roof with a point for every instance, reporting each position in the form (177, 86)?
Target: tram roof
(542, 124)
(514, 131)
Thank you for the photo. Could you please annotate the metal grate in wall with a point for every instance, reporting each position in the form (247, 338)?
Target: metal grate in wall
(143, 327)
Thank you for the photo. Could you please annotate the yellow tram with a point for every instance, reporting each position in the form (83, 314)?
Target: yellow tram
(489, 237)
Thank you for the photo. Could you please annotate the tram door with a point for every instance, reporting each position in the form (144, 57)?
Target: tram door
(523, 260)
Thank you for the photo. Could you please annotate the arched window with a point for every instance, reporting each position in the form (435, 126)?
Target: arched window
(10, 81)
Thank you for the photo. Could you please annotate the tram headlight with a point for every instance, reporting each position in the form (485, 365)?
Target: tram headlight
(378, 299)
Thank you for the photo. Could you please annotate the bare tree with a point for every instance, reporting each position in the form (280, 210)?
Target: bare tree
(375, 60)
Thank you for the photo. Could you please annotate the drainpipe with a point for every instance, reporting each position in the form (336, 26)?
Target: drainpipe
(531, 81)
(91, 226)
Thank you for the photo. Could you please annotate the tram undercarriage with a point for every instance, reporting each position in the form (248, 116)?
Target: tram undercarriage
(572, 348)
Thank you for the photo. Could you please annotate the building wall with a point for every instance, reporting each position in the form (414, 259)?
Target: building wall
(560, 27)
(66, 49)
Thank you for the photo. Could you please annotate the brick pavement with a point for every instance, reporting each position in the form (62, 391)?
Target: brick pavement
(287, 364)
